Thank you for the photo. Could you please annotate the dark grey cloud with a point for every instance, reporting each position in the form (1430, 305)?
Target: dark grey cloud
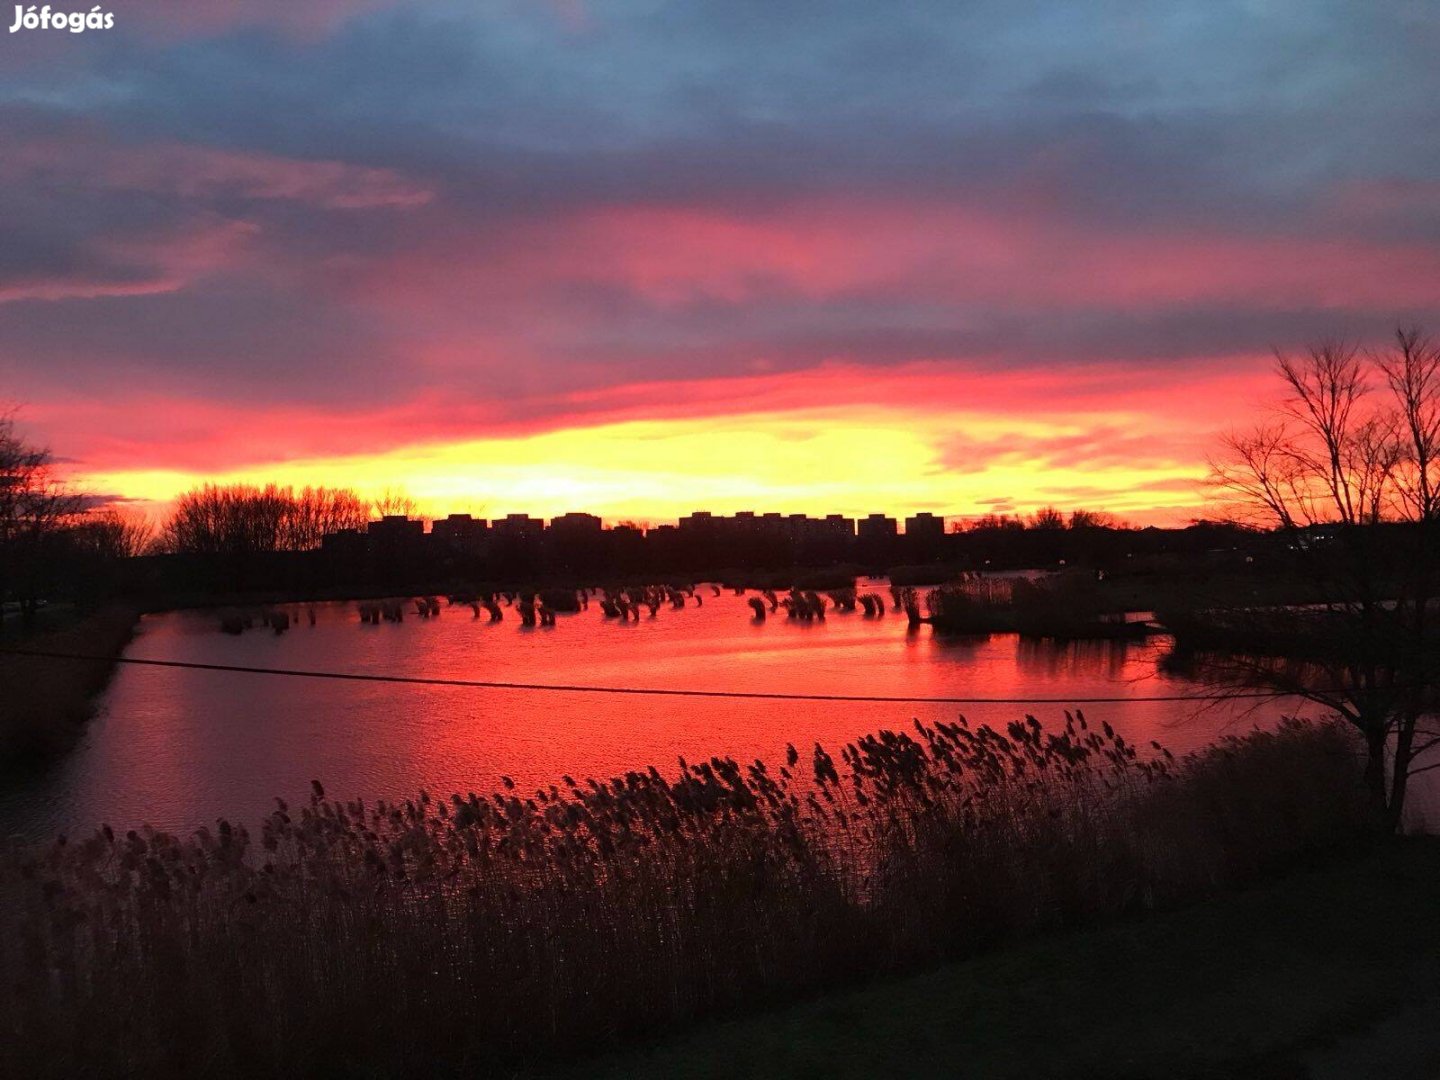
(416, 174)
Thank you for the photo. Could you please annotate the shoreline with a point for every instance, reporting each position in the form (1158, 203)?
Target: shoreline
(47, 702)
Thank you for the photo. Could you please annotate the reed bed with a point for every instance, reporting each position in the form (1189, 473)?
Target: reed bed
(478, 934)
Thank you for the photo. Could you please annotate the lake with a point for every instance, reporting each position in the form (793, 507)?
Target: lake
(180, 748)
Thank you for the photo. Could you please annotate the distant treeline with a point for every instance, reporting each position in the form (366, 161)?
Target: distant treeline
(242, 519)
(222, 540)
(271, 540)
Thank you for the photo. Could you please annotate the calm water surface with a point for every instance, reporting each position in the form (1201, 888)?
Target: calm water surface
(178, 749)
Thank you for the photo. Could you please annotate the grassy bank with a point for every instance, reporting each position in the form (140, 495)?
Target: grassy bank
(449, 935)
(1325, 974)
(44, 702)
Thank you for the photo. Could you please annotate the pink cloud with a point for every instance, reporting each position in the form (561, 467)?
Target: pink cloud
(139, 218)
(200, 172)
(1384, 195)
(939, 254)
(143, 265)
(85, 156)
(949, 252)
(149, 431)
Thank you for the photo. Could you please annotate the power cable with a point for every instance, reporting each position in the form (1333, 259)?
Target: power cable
(648, 691)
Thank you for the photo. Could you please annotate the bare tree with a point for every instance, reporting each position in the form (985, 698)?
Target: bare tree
(111, 534)
(393, 502)
(238, 519)
(316, 511)
(241, 519)
(1047, 517)
(35, 508)
(1092, 519)
(1348, 470)
(995, 523)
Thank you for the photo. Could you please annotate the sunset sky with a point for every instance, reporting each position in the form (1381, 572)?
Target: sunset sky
(643, 258)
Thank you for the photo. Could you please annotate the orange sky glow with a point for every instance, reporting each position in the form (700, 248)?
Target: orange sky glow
(839, 440)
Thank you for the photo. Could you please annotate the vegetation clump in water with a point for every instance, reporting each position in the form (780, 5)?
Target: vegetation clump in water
(1069, 607)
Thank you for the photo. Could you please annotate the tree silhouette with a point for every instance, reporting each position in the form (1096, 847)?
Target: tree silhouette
(111, 534)
(1047, 517)
(1348, 470)
(242, 519)
(392, 502)
(35, 509)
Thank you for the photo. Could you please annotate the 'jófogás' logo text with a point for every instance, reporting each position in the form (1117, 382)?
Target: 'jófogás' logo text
(77, 22)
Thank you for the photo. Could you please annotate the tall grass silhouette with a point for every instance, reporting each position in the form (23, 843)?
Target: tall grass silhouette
(441, 933)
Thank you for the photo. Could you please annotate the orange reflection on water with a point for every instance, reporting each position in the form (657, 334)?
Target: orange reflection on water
(179, 748)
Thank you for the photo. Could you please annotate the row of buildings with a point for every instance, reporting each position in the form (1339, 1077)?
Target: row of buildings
(873, 527)
(702, 540)
(464, 531)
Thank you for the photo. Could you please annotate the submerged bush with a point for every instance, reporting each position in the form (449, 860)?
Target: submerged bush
(1066, 607)
(436, 934)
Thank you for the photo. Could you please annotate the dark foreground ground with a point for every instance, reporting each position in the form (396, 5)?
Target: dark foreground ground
(1329, 974)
